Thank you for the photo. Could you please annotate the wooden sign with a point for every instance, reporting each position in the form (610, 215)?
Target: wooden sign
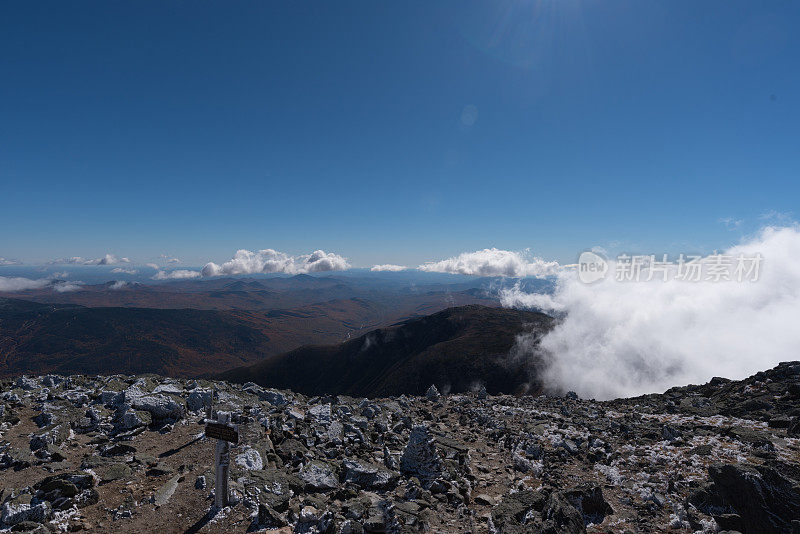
(222, 431)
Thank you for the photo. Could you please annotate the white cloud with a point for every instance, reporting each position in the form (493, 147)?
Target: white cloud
(75, 260)
(6, 261)
(273, 261)
(9, 284)
(119, 284)
(180, 274)
(21, 284)
(388, 267)
(173, 260)
(108, 259)
(628, 338)
(120, 270)
(153, 266)
(494, 262)
(67, 287)
(58, 274)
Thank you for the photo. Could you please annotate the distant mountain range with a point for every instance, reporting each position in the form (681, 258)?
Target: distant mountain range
(278, 292)
(457, 349)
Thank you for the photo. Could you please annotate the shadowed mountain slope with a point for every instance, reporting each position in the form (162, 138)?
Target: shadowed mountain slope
(455, 349)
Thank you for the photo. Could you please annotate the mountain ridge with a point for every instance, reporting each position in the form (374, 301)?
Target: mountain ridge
(457, 349)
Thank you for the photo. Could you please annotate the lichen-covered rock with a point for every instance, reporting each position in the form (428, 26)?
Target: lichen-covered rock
(115, 472)
(273, 397)
(319, 476)
(320, 414)
(420, 457)
(128, 418)
(53, 435)
(249, 459)
(160, 407)
(23, 508)
(198, 400)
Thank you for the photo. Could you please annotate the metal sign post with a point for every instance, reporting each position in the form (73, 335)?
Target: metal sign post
(210, 406)
(225, 433)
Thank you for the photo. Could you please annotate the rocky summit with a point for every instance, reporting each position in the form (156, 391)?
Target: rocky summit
(129, 454)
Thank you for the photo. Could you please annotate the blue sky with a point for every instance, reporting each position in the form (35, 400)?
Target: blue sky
(393, 132)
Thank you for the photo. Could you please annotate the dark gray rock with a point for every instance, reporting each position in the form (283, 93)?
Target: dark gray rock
(765, 500)
(368, 475)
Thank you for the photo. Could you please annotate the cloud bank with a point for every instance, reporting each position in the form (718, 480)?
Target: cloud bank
(108, 259)
(494, 262)
(6, 261)
(388, 267)
(179, 274)
(9, 284)
(273, 261)
(120, 270)
(13, 284)
(628, 338)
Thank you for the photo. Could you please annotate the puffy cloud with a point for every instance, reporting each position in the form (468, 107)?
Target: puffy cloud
(494, 262)
(108, 259)
(169, 259)
(179, 274)
(388, 267)
(8, 284)
(628, 338)
(6, 261)
(120, 270)
(66, 287)
(153, 266)
(273, 261)
(119, 284)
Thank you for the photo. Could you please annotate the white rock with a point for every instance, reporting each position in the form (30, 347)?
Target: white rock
(250, 459)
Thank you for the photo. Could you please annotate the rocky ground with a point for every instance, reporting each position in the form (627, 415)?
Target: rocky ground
(128, 454)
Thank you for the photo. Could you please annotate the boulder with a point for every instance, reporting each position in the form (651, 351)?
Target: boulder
(54, 435)
(22, 508)
(320, 414)
(273, 397)
(763, 498)
(249, 459)
(432, 394)
(420, 457)
(198, 400)
(115, 472)
(368, 475)
(128, 419)
(516, 510)
(319, 476)
(160, 407)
